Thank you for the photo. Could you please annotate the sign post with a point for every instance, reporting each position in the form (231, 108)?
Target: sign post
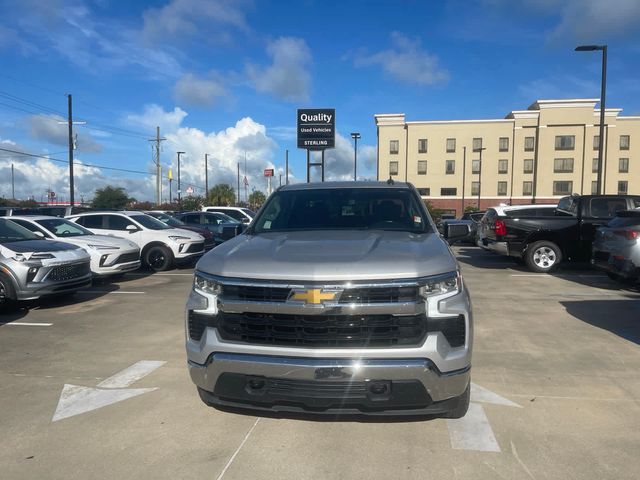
(316, 129)
(268, 173)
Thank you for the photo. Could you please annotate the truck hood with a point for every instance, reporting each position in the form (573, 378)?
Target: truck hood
(330, 255)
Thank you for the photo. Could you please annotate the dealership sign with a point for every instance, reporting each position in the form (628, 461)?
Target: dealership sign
(268, 172)
(317, 128)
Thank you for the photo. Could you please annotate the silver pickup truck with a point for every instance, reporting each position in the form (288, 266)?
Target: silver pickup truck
(340, 298)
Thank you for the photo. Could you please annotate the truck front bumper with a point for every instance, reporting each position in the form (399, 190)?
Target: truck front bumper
(329, 386)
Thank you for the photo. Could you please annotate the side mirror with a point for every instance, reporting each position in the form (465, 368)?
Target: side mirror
(246, 220)
(131, 228)
(39, 234)
(456, 231)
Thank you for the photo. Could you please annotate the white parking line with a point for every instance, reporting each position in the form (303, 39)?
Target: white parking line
(27, 324)
(233, 457)
(121, 292)
(161, 275)
(473, 431)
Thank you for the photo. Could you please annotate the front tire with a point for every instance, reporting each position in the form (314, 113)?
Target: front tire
(7, 294)
(158, 258)
(543, 256)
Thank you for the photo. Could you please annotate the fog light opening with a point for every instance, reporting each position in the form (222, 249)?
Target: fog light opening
(379, 388)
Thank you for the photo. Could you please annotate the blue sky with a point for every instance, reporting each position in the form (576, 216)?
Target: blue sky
(226, 77)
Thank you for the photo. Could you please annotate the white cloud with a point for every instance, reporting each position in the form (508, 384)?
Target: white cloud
(198, 91)
(53, 129)
(287, 77)
(154, 115)
(187, 18)
(339, 161)
(559, 86)
(406, 61)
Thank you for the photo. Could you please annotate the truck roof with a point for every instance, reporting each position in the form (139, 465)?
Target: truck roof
(351, 184)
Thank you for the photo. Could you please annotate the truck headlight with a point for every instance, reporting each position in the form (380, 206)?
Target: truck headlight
(441, 284)
(206, 285)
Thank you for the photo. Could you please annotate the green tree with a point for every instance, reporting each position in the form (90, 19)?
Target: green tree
(113, 198)
(470, 209)
(256, 199)
(222, 195)
(435, 213)
(192, 203)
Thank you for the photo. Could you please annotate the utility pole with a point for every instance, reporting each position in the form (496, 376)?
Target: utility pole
(70, 121)
(238, 183)
(179, 189)
(156, 160)
(286, 163)
(13, 192)
(355, 136)
(206, 177)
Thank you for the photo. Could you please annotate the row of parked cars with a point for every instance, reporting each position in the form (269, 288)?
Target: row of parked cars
(602, 229)
(44, 255)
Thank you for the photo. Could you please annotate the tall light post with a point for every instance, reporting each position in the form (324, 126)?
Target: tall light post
(355, 136)
(479, 172)
(179, 190)
(603, 88)
(206, 177)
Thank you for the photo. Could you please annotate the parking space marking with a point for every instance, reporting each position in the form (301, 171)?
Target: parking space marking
(161, 275)
(473, 431)
(235, 454)
(27, 324)
(76, 399)
(131, 374)
(482, 395)
(89, 292)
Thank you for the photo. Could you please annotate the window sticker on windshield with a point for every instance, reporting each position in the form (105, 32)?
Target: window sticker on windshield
(347, 211)
(267, 224)
(417, 219)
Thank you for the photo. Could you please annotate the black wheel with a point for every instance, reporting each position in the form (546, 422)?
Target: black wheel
(543, 256)
(463, 405)
(158, 258)
(7, 295)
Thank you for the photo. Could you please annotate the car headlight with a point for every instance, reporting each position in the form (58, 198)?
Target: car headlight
(103, 247)
(441, 284)
(206, 285)
(177, 238)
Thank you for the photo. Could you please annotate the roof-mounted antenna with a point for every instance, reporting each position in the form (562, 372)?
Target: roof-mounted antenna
(390, 181)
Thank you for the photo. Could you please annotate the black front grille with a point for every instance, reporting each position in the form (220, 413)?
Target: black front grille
(323, 330)
(255, 294)
(379, 295)
(68, 272)
(195, 247)
(128, 257)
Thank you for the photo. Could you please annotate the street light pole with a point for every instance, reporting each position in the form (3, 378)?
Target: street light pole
(355, 136)
(179, 190)
(603, 88)
(206, 177)
(480, 174)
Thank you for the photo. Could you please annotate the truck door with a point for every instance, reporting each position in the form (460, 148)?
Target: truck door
(597, 212)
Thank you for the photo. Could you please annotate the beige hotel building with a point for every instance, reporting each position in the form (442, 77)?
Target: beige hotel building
(531, 156)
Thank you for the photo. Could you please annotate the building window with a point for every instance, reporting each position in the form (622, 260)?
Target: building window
(451, 167)
(503, 166)
(624, 142)
(422, 145)
(529, 144)
(502, 188)
(528, 165)
(562, 188)
(565, 142)
(503, 144)
(594, 188)
(448, 192)
(596, 142)
(477, 144)
(623, 165)
(394, 146)
(422, 167)
(393, 168)
(475, 188)
(451, 145)
(475, 166)
(623, 187)
(527, 188)
(563, 165)
(594, 165)
(425, 192)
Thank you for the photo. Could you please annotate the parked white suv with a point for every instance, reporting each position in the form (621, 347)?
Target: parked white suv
(109, 255)
(161, 246)
(243, 215)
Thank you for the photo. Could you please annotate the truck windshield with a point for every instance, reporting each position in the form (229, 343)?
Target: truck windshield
(343, 209)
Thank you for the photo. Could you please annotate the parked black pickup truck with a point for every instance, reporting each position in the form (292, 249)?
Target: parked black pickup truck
(544, 242)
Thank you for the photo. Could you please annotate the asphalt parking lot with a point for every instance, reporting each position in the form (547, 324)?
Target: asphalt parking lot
(555, 372)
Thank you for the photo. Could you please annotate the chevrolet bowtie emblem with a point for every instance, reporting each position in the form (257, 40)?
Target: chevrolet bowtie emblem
(312, 296)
